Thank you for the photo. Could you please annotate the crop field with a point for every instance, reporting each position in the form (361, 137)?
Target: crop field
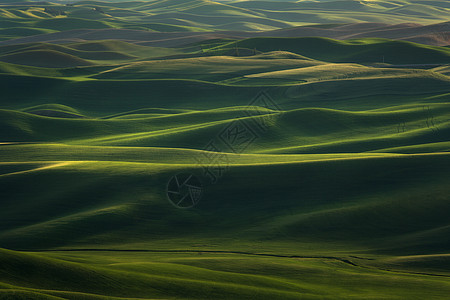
(225, 149)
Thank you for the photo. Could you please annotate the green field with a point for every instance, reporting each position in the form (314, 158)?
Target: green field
(131, 20)
(200, 15)
(324, 161)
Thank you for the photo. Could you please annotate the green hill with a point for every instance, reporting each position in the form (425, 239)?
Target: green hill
(204, 68)
(197, 16)
(311, 138)
(241, 276)
(92, 55)
(61, 24)
(44, 58)
(362, 50)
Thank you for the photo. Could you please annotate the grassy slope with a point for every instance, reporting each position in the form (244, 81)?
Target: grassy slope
(106, 52)
(218, 276)
(407, 137)
(200, 15)
(363, 50)
(310, 221)
(346, 190)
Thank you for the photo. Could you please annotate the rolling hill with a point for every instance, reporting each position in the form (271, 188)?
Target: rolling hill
(363, 50)
(417, 21)
(312, 140)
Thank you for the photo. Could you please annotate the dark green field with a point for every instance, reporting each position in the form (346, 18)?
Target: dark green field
(320, 133)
